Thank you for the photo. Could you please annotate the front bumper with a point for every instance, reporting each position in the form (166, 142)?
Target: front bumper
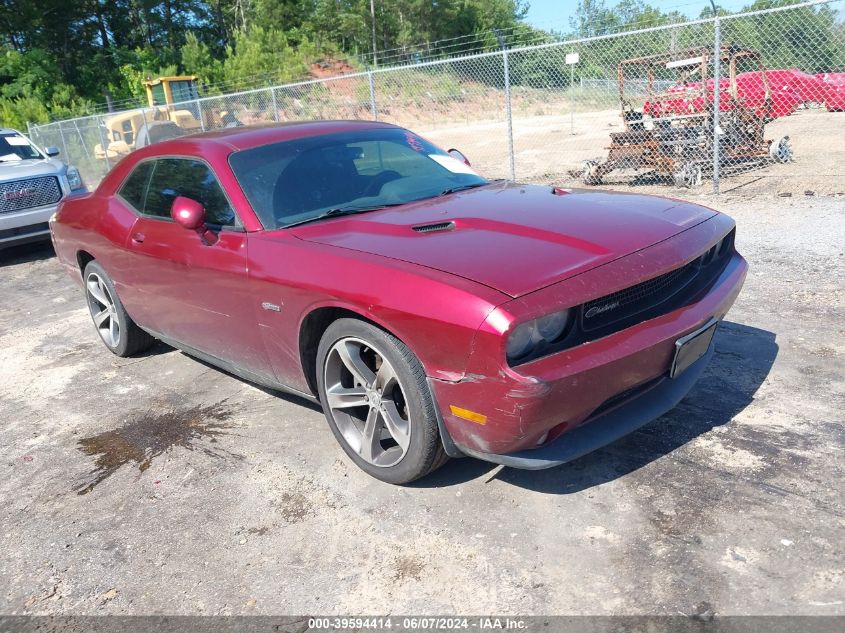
(564, 405)
(29, 225)
(656, 399)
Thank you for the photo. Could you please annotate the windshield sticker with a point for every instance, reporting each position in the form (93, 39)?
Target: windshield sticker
(414, 141)
(16, 140)
(452, 164)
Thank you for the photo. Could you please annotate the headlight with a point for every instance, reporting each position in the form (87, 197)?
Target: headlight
(725, 244)
(74, 180)
(551, 326)
(527, 337)
(521, 340)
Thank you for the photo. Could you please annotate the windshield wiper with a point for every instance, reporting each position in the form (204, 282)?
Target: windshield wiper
(340, 211)
(446, 192)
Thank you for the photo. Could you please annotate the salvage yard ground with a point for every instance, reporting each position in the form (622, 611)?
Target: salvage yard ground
(545, 149)
(158, 484)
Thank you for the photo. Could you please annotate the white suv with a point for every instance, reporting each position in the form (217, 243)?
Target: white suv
(31, 184)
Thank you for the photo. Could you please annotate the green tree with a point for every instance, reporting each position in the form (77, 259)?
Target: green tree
(266, 54)
(198, 59)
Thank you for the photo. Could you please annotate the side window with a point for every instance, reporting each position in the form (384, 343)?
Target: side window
(135, 188)
(174, 177)
(158, 94)
(128, 135)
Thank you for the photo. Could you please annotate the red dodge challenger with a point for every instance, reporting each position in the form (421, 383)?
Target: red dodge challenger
(433, 313)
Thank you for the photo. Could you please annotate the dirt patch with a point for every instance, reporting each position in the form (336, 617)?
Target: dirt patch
(294, 507)
(408, 567)
(330, 68)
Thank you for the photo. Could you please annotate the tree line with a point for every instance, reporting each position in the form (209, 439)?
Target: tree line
(60, 57)
(64, 58)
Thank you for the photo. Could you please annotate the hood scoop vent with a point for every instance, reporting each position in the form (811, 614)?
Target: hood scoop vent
(431, 228)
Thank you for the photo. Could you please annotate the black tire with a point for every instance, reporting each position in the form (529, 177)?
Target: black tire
(424, 452)
(130, 339)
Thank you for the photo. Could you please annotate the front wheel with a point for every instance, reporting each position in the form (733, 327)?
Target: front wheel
(377, 402)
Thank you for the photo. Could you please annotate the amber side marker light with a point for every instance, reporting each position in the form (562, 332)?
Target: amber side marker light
(466, 414)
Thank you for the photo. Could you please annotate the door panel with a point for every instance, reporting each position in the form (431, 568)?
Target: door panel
(195, 293)
(186, 289)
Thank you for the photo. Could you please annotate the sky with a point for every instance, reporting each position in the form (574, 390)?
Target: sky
(555, 14)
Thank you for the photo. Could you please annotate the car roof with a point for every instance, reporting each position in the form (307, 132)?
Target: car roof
(8, 130)
(245, 137)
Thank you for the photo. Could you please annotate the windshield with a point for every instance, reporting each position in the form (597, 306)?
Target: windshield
(319, 176)
(15, 147)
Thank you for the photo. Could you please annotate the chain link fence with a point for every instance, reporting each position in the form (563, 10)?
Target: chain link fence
(713, 103)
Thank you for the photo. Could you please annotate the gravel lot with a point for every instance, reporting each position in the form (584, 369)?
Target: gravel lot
(545, 151)
(161, 485)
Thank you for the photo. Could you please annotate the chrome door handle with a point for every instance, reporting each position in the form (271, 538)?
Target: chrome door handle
(138, 238)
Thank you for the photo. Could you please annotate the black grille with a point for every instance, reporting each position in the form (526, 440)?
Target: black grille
(18, 195)
(621, 397)
(630, 301)
(428, 228)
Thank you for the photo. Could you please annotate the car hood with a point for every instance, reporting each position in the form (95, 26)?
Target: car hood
(512, 238)
(19, 169)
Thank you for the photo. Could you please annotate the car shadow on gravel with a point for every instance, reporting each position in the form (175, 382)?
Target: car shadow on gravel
(287, 396)
(743, 359)
(26, 253)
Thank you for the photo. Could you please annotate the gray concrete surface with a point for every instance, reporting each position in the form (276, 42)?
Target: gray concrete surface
(161, 485)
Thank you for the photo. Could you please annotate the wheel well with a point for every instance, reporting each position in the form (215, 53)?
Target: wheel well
(313, 327)
(83, 258)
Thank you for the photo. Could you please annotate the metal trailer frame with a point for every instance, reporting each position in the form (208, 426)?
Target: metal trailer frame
(681, 146)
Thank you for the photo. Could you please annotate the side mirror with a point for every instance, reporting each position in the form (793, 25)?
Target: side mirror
(190, 214)
(51, 151)
(459, 156)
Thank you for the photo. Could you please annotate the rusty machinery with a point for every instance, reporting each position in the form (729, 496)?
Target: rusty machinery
(672, 132)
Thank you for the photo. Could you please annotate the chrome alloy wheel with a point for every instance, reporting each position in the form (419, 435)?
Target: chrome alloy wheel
(103, 310)
(367, 402)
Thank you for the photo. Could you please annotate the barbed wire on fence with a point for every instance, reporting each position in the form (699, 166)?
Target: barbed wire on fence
(524, 112)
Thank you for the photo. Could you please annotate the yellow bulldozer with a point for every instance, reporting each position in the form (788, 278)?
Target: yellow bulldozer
(172, 111)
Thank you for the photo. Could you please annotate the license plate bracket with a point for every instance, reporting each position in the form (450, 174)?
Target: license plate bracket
(691, 347)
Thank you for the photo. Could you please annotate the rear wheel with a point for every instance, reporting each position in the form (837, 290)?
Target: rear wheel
(590, 173)
(688, 176)
(116, 329)
(377, 402)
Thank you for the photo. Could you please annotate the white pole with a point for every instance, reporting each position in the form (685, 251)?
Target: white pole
(717, 63)
(373, 16)
(373, 108)
(572, 99)
(508, 111)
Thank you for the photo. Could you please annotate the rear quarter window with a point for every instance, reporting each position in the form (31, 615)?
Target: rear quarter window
(134, 189)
